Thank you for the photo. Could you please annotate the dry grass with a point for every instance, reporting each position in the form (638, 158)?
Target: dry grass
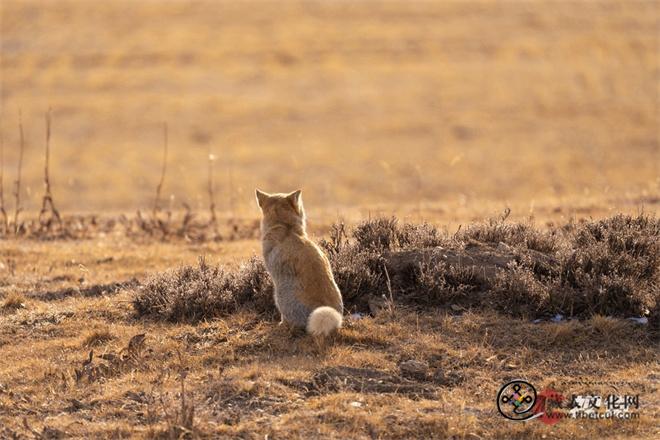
(247, 378)
(13, 302)
(97, 337)
(419, 369)
(198, 293)
(437, 113)
(335, 94)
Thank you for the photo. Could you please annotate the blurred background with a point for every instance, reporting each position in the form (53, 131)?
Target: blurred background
(440, 109)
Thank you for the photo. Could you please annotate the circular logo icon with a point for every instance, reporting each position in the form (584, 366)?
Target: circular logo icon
(516, 399)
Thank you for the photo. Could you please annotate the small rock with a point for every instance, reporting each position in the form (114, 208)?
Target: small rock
(557, 318)
(356, 404)
(413, 368)
(356, 316)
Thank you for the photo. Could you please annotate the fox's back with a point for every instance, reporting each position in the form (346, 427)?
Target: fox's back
(300, 268)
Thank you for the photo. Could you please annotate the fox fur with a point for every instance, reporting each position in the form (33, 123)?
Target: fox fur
(306, 294)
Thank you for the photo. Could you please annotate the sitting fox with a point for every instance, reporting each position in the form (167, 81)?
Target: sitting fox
(306, 294)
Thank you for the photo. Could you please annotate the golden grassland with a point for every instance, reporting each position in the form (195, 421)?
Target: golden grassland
(441, 111)
(447, 107)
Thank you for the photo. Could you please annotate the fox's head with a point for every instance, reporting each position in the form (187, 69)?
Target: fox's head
(281, 209)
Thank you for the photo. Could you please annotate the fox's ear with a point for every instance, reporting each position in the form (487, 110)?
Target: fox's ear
(296, 200)
(261, 198)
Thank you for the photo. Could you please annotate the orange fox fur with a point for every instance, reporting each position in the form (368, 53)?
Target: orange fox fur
(306, 294)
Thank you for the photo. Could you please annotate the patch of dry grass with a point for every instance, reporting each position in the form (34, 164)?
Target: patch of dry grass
(97, 337)
(13, 302)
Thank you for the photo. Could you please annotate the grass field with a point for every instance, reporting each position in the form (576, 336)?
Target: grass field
(450, 105)
(444, 112)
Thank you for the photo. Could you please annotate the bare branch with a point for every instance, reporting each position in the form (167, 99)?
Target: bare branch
(17, 183)
(5, 220)
(211, 190)
(230, 196)
(46, 179)
(163, 171)
(48, 211)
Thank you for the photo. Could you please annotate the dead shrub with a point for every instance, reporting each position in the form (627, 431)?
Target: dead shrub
(359, 275)
(442, 284)
(420, 236)
(386, 234)
(195, 293)
(607, 267)
(376, 234)
(612, 266)
(519, 235)
(518, 292)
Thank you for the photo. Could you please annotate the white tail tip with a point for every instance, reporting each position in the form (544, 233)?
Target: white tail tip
(323, 321)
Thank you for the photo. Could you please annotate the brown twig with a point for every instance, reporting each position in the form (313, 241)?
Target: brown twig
(5, 220)
(186, 222)
(230, 175)
(211, 189)
(48, 206)
(162, 174)
(389, 300)
(17, 183)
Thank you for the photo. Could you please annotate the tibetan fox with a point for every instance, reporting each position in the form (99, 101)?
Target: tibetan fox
(306, 294)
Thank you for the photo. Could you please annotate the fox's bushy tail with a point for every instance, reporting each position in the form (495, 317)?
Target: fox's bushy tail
(323, 321)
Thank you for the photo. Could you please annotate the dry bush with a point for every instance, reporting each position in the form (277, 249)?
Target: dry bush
(359, 274)
(519, 292)
(519, 235)
(435, 284)
(386, 234)
(607, 267)
(612, 266)
(195, 293)
(377, 234)
(357, 261)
